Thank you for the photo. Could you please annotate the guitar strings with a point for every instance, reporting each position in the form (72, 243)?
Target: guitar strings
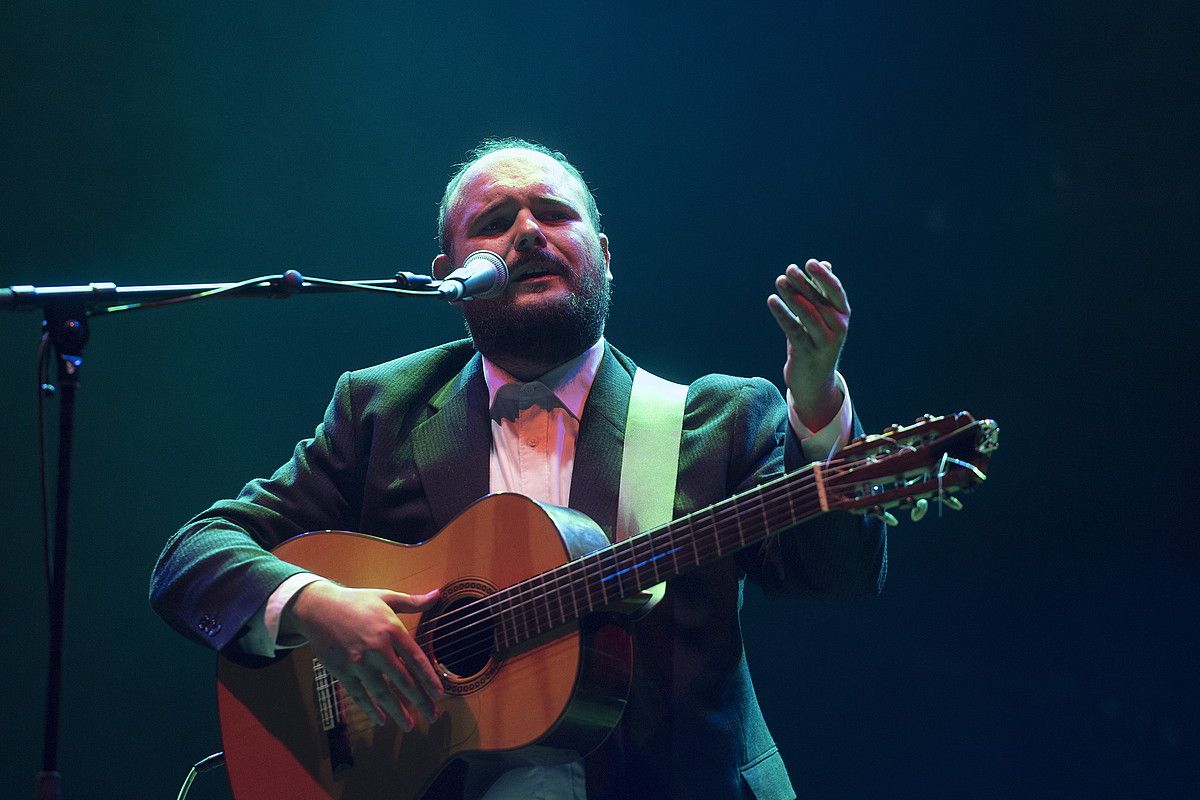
(477, 639)
(627, 552)
(528, 601)
(619, 555)
(624, 559)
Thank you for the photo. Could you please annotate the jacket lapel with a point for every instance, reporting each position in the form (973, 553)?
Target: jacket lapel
(597, 473)
(452, 447)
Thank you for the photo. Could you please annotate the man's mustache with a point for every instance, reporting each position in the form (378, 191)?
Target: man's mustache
(543, 259)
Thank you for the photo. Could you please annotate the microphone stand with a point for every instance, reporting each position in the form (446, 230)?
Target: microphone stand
(66, 310)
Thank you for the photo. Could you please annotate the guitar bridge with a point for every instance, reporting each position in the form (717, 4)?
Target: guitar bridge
(329, 704)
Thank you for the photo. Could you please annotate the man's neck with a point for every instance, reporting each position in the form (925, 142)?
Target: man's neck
(525, 369)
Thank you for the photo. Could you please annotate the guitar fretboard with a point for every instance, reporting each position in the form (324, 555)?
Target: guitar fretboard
(552, 599)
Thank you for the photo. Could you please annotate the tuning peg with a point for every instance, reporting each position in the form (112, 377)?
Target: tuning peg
(952, 502)
(925, 418)
(886, 516)
(918, 510)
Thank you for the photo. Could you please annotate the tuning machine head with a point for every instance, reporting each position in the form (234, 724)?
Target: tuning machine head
(918, 510)
(887, 517)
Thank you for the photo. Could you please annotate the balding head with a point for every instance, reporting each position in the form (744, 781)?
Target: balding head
(494, 150)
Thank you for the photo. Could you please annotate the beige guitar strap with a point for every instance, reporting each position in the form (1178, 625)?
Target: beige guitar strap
(650, 463)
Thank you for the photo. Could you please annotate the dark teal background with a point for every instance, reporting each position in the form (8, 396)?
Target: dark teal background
(1008, 190)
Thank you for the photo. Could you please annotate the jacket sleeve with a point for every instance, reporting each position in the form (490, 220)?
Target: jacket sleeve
(217, 571)
(834, 555)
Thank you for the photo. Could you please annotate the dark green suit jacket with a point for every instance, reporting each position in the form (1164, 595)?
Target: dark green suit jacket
(404, 447)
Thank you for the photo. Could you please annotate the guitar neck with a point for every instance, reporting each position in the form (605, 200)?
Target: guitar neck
(903, 466)
(547, 601)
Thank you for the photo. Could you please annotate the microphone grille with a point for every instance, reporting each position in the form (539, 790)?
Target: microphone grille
(498, 266)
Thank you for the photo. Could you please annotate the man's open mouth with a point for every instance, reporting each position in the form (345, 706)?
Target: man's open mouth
(534, 272)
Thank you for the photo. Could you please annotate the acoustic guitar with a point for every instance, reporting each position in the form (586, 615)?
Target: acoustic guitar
(528, 633)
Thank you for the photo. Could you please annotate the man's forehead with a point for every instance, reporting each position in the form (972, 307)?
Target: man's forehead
(516, 169)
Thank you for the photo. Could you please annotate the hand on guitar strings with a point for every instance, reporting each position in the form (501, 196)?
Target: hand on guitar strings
(813, 312)
(361, 641)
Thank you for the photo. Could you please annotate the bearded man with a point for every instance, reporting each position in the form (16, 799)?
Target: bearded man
(535, 402)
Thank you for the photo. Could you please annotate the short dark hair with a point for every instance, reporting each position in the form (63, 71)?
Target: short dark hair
(489, 146)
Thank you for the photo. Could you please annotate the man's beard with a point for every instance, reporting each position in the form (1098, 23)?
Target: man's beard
(544, 334)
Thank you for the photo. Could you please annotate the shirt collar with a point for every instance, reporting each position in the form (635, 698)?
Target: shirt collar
(569, 382)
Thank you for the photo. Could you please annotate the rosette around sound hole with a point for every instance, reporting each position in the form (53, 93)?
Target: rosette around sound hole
(459, 636)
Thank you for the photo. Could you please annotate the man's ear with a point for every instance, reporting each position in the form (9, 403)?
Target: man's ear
(607, 256)
(442, 266)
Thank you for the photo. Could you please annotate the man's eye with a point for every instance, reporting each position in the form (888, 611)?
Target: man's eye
(493, 226)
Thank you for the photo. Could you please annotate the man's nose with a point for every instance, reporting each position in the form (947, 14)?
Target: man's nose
(529, 233)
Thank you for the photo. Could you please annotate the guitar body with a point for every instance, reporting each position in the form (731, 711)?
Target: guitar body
(556, 696)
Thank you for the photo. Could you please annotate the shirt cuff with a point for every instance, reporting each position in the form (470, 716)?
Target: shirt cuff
(824, 444)
(262, 638)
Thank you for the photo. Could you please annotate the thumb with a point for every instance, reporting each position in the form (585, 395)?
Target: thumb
(399, 601)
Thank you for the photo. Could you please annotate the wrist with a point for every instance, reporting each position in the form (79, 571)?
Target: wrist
(293, 619)
(817, 405)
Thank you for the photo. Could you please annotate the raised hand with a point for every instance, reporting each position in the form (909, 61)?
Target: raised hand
(812, 311)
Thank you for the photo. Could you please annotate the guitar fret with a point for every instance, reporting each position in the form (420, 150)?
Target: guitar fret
(619, 570)
(595, 579)
(543, 602)
(574, 595)
(587, 584)
(524, 625)
(670, 532)
(742, 537)
(654, 556)
(635, 563)
(717, 532)
(562, 614)
(512, 618)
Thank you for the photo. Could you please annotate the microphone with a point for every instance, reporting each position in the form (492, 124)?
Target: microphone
(482, 276)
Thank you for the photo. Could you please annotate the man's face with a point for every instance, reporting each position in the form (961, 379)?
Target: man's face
(525, 207)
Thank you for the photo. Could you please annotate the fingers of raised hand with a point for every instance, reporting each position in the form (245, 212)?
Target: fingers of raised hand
(820, 277)
(792, 326)
(810, 304)
(816, 283)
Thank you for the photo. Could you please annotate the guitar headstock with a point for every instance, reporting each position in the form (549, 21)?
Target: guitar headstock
(906, 466)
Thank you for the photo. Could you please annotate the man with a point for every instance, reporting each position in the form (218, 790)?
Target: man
(536, 403)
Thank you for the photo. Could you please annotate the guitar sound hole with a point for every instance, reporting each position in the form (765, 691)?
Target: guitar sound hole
(459, 636)
(464, 641)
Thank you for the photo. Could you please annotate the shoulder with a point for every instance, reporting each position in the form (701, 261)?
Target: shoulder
(724, 395)
(746, 408)
(417, 375)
